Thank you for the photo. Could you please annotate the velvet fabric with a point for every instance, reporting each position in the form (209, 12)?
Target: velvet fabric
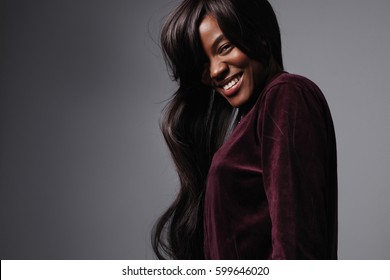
(271, 191)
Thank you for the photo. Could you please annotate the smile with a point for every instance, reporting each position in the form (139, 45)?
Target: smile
(232, 82)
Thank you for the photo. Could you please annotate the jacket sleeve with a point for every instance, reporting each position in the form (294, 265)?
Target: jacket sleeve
(293, 135)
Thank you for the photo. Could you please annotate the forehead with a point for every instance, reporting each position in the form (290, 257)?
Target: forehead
(209, 31)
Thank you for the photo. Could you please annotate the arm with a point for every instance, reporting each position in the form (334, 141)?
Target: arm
(293, 132)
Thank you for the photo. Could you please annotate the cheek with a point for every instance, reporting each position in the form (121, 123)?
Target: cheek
(239, 59)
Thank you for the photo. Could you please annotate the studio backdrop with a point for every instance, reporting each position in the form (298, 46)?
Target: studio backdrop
(84, 170)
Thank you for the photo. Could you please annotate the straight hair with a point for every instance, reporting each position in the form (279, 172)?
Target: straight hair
(197, 120)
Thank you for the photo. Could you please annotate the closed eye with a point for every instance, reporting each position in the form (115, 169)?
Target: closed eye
(225, 48)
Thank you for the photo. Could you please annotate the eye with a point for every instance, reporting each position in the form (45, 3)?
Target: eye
(225, 48)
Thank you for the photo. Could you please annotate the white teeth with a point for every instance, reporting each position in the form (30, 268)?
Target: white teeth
(231, 84)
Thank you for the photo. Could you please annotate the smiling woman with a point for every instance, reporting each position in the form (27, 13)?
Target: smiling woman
(257, 184)
(231, 72)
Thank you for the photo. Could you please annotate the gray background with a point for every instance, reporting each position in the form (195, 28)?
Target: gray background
(84, 171)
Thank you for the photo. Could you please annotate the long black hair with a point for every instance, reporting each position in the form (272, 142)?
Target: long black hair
(196, 120)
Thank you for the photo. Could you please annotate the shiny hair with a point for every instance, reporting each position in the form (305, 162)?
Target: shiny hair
(196, 120)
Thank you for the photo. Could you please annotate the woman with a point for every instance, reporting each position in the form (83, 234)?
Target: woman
(254, 146)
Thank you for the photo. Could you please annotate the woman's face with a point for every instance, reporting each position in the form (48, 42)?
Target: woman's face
(229, 71)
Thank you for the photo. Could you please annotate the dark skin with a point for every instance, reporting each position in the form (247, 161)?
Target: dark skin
(234, 75)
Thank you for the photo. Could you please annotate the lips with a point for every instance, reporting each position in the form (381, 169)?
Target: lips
(230, 85)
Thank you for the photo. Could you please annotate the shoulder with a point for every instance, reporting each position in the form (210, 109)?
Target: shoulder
(292, 95)
(293, 82)
(292, 101)
(288, 88)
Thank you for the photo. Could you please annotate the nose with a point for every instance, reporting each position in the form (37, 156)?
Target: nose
(218, 69)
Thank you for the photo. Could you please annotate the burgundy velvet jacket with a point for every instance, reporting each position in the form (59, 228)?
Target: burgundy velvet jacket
(271, 191)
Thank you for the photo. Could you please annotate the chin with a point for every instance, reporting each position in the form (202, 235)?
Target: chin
(238, 101)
